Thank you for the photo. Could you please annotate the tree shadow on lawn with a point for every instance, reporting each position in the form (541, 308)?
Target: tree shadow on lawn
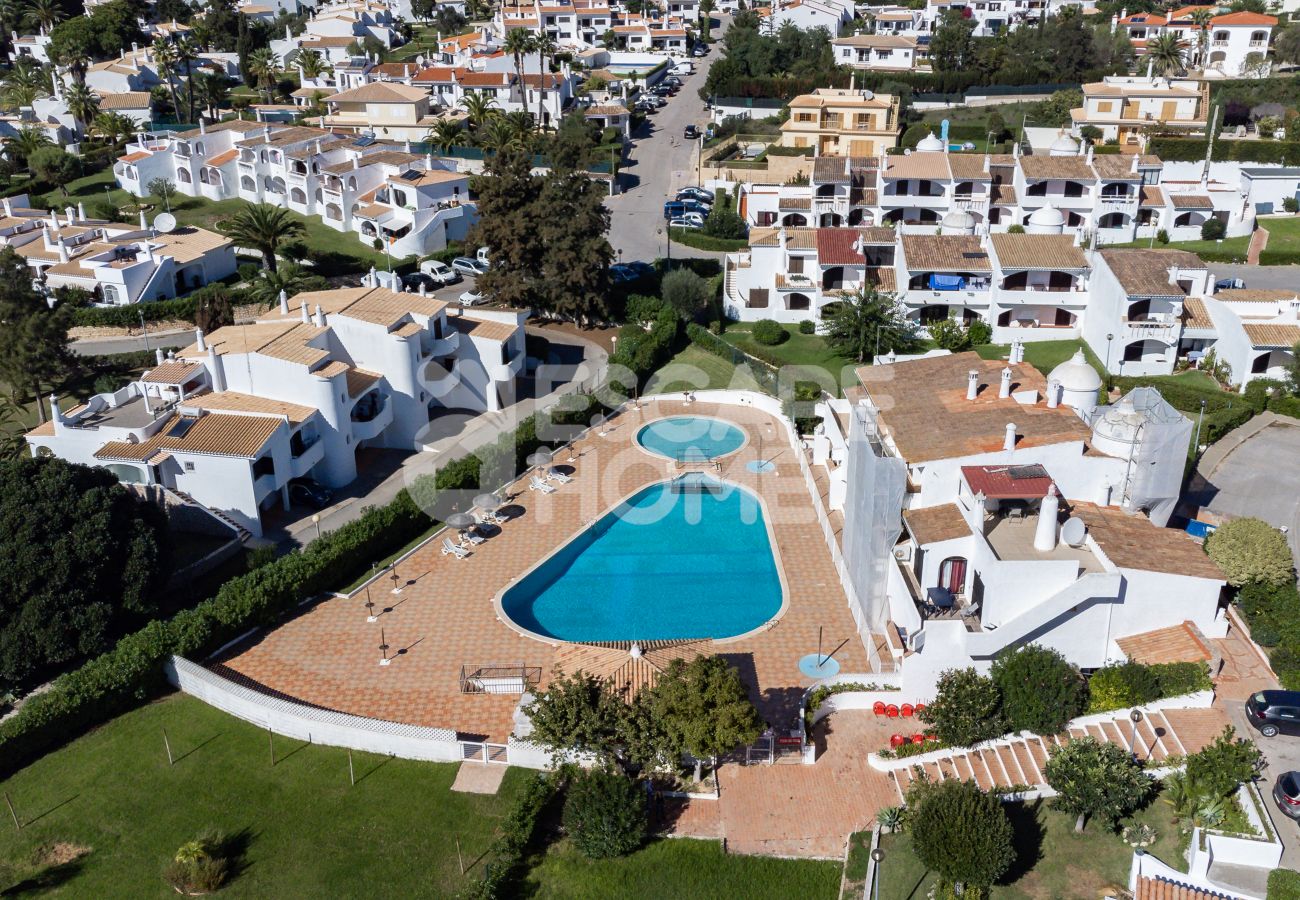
(1028, 832)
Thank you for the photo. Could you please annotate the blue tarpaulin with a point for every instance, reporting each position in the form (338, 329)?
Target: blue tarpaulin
(947, 282)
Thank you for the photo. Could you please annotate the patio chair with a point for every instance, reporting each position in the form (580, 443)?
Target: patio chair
(906, 710)
(471, 537)
(878, 707)
(449, 548)
(891, 711)
(486, 517)
(536, 484)
(971, 611)
(558, 477)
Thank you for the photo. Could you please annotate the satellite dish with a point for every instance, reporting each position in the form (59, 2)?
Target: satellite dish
(419, 60)
(164, 223)
(1073, 532)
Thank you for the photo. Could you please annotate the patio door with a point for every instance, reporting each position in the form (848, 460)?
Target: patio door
(952, 575)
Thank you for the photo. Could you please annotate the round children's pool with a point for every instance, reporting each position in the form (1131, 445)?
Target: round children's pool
(691, 438)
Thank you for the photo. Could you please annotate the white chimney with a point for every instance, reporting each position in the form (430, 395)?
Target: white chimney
(1004, 385)
(284, 303)
(9, 207)
(423, 289)
(1053, 394)
(203, 127)
(158, 355)
(1009, 442)
(218, 367)
(63, 251)
(319, 318)
(198, 339)
(1045, 533)
(81, 211)
(306, 319)
(56, 415)
(972, 384)
(70, 213)
(144, 398)
(144, 223)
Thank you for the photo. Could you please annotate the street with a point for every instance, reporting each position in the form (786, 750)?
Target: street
(660, 163)
(1272, 278)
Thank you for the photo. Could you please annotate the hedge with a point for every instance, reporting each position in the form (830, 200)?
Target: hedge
(693, 237)
(1134, 684)
(1273, 614)
(1182, 149)
(519, 834)
(128, 316)
(1283, 884)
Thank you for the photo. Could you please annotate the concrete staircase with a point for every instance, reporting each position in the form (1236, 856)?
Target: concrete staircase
(1019, 760)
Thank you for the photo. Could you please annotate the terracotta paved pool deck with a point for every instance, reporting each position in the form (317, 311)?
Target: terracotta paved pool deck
(445, 616)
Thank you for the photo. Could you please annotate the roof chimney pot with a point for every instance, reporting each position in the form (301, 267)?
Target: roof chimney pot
(972, 384)
(1009, 442)
(1004, 386)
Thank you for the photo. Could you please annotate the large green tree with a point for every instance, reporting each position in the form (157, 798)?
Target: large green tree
(264, 228)
(704, 708)
(1251, 550)
(1096, 780)
(577, 714)
(80, 558)
(951, 44)
(966, 710)
(1041, 690)
(507, 198)
(960, 832)
(605, 814)
(572, 223)
(866, 321)
(33, 338)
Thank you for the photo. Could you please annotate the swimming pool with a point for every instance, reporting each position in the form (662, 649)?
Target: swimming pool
(691, 437)
(688, 558)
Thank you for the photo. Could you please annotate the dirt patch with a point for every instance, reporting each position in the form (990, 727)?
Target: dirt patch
(602, 337)
(59, 853)
(85, 332)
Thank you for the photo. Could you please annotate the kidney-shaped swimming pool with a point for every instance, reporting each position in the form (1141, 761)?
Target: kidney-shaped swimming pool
(689, 558)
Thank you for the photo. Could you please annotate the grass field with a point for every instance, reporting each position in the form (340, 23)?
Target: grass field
(810, 350)
(309, 833)
(1053, 861)
(1228, 248)
(1043, 355)
(699, 370)
(680, 868)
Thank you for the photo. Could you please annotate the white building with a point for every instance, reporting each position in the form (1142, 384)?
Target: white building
(1237, 44)
(1253, 332)
(234, 417)
(414, 203)
(36, 46)
(881, 53)
(1021, 522)
(987, 17)
(334, 28)
(808, 14)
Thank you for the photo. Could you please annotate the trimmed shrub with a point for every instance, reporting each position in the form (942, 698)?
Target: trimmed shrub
(1122, 685)
(605, 814)
(1213, 230)
(960, 832)
(129, 316)
(1041, 690)
(642, 309)
(807, 326)
(768, 332)
(966, 710)
(1251, 550)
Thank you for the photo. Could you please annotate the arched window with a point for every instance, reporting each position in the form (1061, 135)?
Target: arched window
(1112, 220)
(198, 148)
(1258, 37)
(247, 183)
(798, 301)
(183, 176)
(796, 220)
(110, 293)
(298, 195)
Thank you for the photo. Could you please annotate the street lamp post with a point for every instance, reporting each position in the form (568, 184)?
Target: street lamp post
(1135, 716)
(144, 329)
(1196, 447)
(1109, 338)
(315, 520)
(877, 857)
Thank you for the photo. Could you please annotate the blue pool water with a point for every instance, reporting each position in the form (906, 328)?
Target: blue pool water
(662, 565)
(691, 437)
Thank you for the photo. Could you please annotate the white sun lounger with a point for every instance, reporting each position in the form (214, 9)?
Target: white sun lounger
(536, 484)
(449, 547)
(487, 517)
(557, 476)
(470, 537)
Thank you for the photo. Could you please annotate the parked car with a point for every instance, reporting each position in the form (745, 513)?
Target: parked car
(621, 274)
(691, 134)
(1229, 284)
(687, 220)
(698, 194)
(467, 265)
(309, 493)
(673, 80)
(652, 100)
(1286, 794)
(695, 206)
(699, 51)
(482, 257)
(439, 271)
(417, 280)
(664, 90)
(674, 208)
(471, 298)
(642, 269)
(1274, 712)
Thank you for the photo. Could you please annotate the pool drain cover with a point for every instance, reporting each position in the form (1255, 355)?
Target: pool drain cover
(814, 665)
(760, 466)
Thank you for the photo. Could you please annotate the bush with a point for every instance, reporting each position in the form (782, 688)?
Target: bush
(1213, 230)
(642, 309)
(1290, 204)
(202, 865)
(1121, 686)
(979, 332)
(519, 832)
(1041, 691)
(1284, 884)
(685, 292)
(1218, 768)
(966, 710)
(129, 316)
(948, 334)
(959, 831)
(1251, 550)
(1162, 236)
(807, 326)
(695, 237)
(605, 814)
(768, 332)
(800, 405)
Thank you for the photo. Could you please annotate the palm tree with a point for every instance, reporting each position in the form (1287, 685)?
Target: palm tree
(518, 43)
(264, 65)
(521, 123)
(186, 54)
(164, 57)
(76, 57)
(498, 135)
(1201, 20)
(290, 278)
(264, 228)
(312, 64)
(479, 107)
(544, 46)
(706, 17)
(1166, 53)
(43, 14)
(445, 134)
(213, 92)
(83, 103)
(113, 127)
(867, 321)
(25, 83)
(25, 142)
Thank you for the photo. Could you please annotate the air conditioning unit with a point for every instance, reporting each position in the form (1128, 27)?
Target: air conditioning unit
(903, 553)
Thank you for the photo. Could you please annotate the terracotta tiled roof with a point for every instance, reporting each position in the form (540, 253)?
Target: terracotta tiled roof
(926, 413)
(1278, 335)
(213, 434)
(1160, 889)
(124, 100)
(1244, 18)
(378, 306)
(933, 524)
(135, 157)
(1037, 251)
(1115, 168)
(919, 165)
(613, 662)
(1195, 314)
(286, 340)
(360, 380)
(172, 372)
(1009, 482)
(1177, 643)
(1003, 195)
(1151, 197)
(968, 167)
(839, 247)
(236, 402)
(1145, 273)
(1191, 201)
(883, 41)
(1134, 542)
(222, 158)
(485, 329)
(945, 253)
(381, 92)
(1074, 168)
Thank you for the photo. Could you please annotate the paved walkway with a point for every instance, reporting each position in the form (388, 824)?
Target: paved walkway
(445, 617)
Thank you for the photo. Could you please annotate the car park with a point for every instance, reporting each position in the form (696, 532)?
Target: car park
(691, 133)
(1274, 712)
(439, 271)
(309, 493)
(687, 220)
(1286, 794)
(697, 194)
(471, 298)
(467, 265)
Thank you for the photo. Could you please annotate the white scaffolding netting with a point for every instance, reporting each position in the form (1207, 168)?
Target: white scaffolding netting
(1157, 436)
(876, 483)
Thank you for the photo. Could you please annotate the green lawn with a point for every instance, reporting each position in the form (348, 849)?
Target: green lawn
(309, 833)
(1053, 861)
(798, 350)
(696, 369)
(1233, 248)
(680, 868)
(338, 250)
(1042, 355)
(1283, 233)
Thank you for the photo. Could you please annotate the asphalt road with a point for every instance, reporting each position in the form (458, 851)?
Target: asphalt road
(660, 163)
(1281, 754)
(105, 346)
(1279, 278)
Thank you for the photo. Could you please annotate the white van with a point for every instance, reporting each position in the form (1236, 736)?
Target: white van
(439, 271)
(682, 68)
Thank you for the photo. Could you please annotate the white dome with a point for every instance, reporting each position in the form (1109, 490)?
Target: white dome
(1045, 220)
(930, 143)
(957, 220)
(1076, 375)
(1064, 146)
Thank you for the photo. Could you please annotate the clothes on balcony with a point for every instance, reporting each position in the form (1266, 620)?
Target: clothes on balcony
(947, 282)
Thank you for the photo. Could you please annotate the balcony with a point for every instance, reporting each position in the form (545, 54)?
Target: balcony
(1157, 327)
(789, 282)
(444, 346)
(1257, 45)
(506, 371)
(311, 451)
(371, 416)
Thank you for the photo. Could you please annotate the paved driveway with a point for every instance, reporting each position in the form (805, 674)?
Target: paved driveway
(660, 163)
(1277, 278)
